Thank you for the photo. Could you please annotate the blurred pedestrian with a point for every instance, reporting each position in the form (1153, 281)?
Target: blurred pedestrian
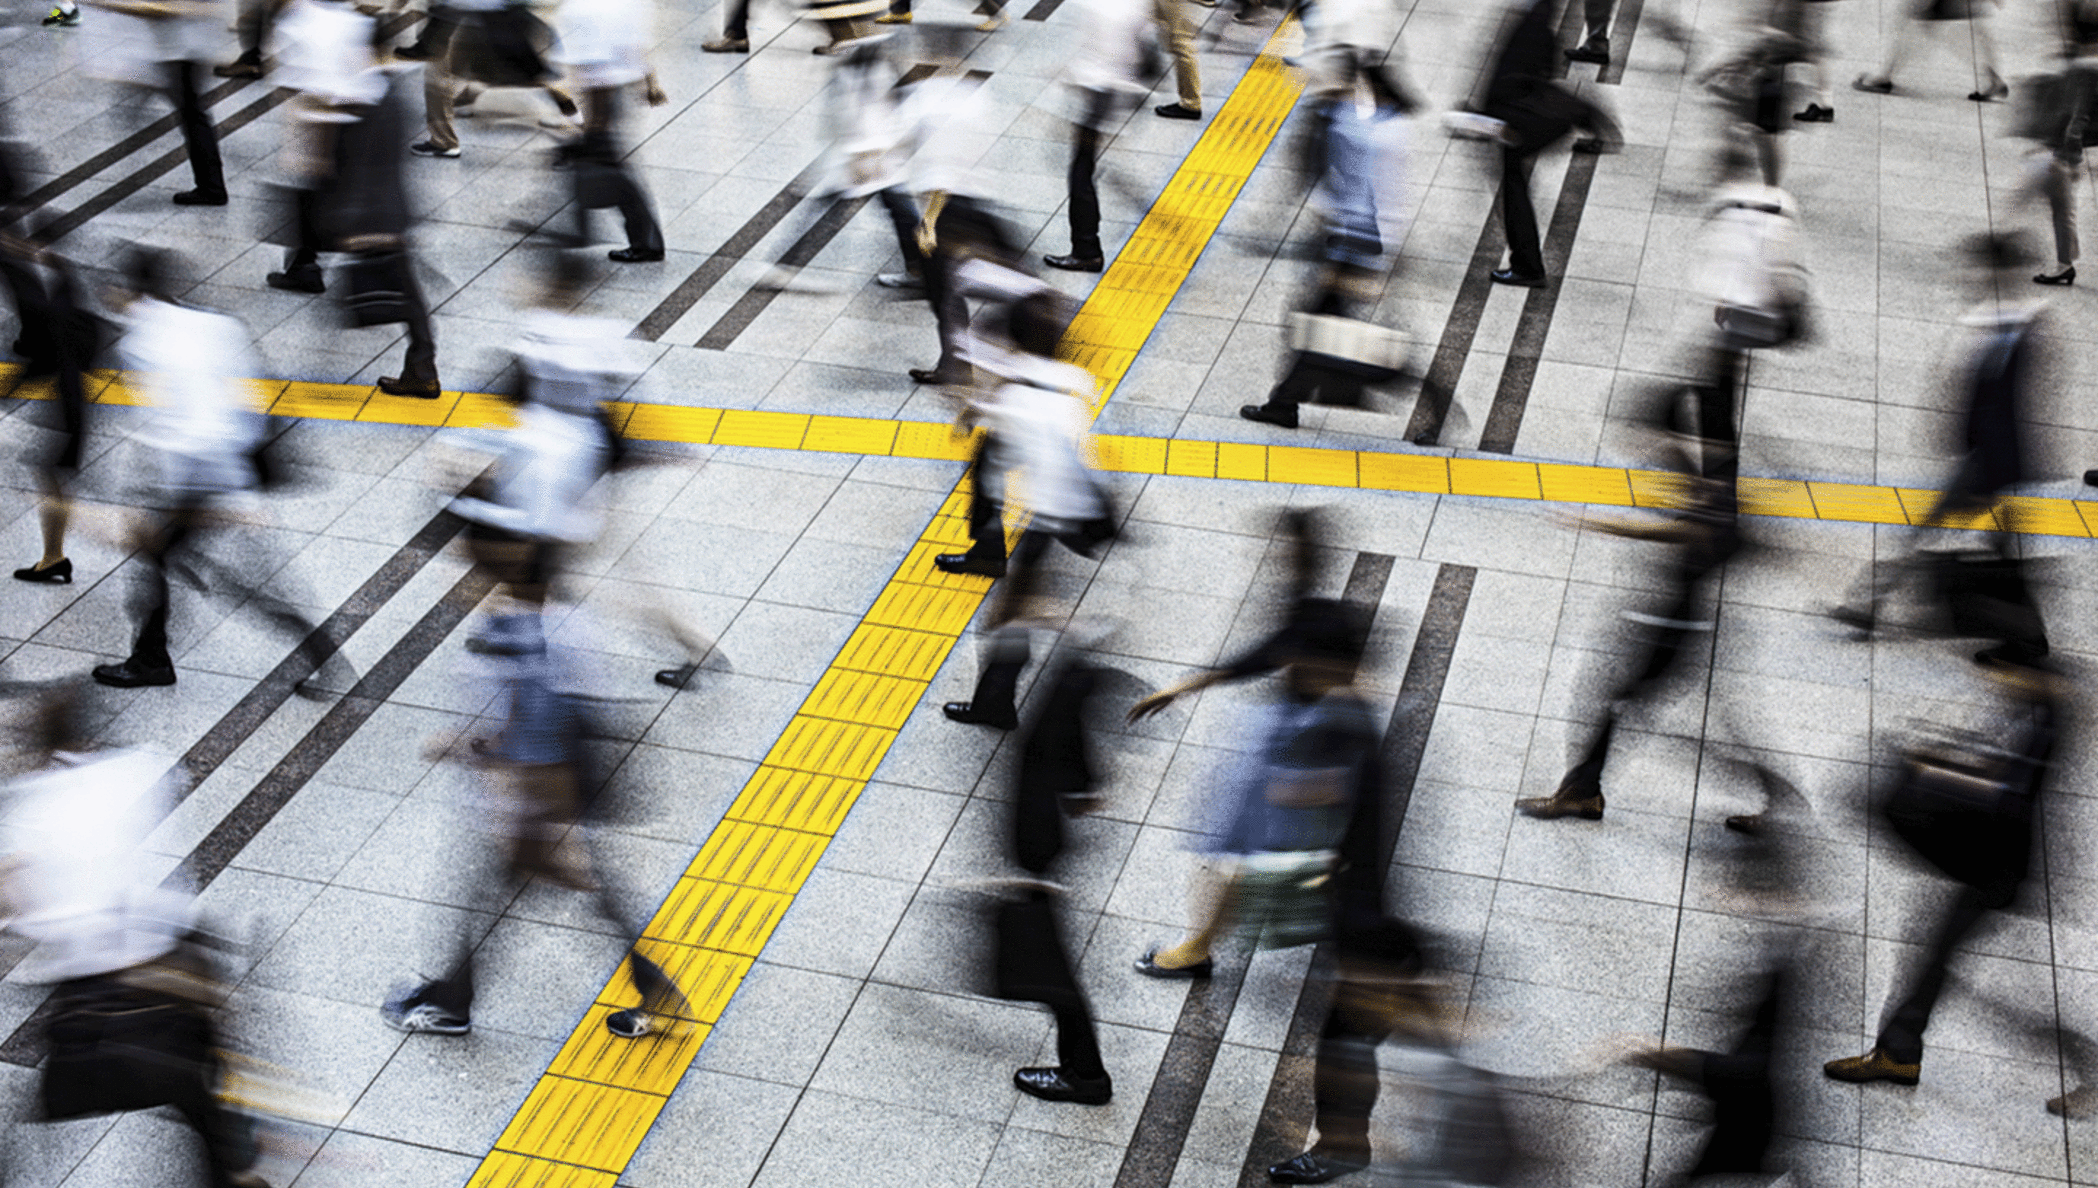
(1739, 1085)
(1804, 20)
(1989, 85)
(605, 45)
(2058, 120)
(474, 45)
(324, 49)
(1176, 33)
(1106, 78)
(162, 45)
(253, 25)
(58, 342)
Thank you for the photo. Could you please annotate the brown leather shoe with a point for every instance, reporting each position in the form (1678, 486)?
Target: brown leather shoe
(1873, 1066)
(1575, 798)
(392, 386)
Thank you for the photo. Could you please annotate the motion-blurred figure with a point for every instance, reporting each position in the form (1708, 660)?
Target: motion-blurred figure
(535, 772)
(1036, 422)
(135, 990)
(1975, 13)
(605, 44)
(1033, 964)
(2058, 120)
(1360, 162)
(2009, 351)
(469, 45)
(1969, 810)
(1281, 826)
(254, 24)
(1738, 1084)
(324, 49)
(1751, 86)
(1106, 77)
(192, 365)
(1535, 113)
(161, 45)
(1804, 19)
(58, 341)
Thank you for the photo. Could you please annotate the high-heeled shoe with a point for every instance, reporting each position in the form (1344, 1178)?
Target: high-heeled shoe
(2000, 90)
(2066, 276)
(58, 573)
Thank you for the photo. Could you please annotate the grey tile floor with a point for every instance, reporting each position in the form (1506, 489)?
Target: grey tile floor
(856, 1050)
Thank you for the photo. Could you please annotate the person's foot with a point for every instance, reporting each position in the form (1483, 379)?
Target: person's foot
(1521, 280)
(1873, 1066)
(967, 714)
(901, 280)
(959, 563)
(392, 385)
(430, 148)
(676, 678)
(241, 67)
(404, 1010)
(1312, 1168)
(634, 1022)
(297, 280)
(62, 19)
(201, 198)
(414, 52)
(928, 375)
(1817, 114)
(1594, 146)
(2066, 275)
(57, 573)
(1748, 823)
(634, 255)
(1054, 1084)
(1860, 619)
(1577, 797)
(1282, 415)
(992, 23)
(133, 675)
(1075, 263)
(1595, 50)
(1246, 16)
(2090, 478)
(1148, 966)
(2000, 90)
(726, 45)
(1876, 86)
(2079, 1102)
(1178, 111)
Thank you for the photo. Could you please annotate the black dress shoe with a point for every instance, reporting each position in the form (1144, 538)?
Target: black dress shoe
(1075, 263)
(1312, 1168)
(58, 573)
(418, 52)
(1148, 966)
(1596, 52)
(959, 563)
(1053, 1084)
(634, 255)
(1817, 114)
(1509, 276)
(676, 678)
(241, 67)
(1176, 111)
(2090, 478)
(1284, 415)
(133, 675)
(298, 280)
(928, 375)
(392, 386)
(1871, 85)
(201, 198)
(967, 714)
(2066, 276)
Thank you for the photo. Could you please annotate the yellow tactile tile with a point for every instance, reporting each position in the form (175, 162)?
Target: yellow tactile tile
(852, 696)
(850, 435)
(1495, 478)
(1326, 468)
(825, 747)
(669, 422)
(719, 916)
(506, 1169)
(767, 857)
(796, 799)
(581, 1122)
(770, 430)
(1849, 501)
(1404, 472)
(333, 402)
(595, 1054)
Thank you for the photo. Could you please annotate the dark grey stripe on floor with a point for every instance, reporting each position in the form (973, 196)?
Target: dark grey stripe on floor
(166, 163)
(1504, 420)
(1439, 387)
(64, 183)
(757, 227)
(1183, 1074)
(1042, 10)
(1622, 31)
(1286, 1116)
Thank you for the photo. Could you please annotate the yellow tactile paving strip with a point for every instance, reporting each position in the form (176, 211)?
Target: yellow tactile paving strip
(588, 1114)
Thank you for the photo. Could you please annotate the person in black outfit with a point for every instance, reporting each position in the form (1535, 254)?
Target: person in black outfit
(58, 342)
(1055, 780)
(1738, 1083)
(1536, 112)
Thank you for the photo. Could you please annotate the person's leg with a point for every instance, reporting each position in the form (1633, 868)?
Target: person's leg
(2061, 203)
(735, 23)
(199, 137)
(1344, 1080)
(644, 236)
(1595, 18)
(1085, 199)
(904, 216)
(440, 87)
(1179, 36)
(1213, 898)
(993, 701)
(1518, 217)
(1077, 1042)
(149, 649)
(1901, 1037)
(1897, 49)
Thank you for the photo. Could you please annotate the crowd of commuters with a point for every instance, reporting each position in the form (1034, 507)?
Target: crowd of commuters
(1299, 849)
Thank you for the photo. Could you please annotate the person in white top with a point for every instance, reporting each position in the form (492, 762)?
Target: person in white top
(604, 43)
(161, 44)
(192, 365)
(1106, 78)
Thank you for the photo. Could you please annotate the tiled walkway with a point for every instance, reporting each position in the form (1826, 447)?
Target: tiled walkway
(856, 1048)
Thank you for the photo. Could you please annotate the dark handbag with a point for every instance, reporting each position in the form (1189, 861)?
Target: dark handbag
(1988, 598)
(115, 1047)
(1029, 964)
(1959, 813)
(506, 48)
(378, 288)
(597, 182)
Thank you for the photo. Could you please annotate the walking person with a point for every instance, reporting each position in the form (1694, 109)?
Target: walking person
(162, 45)
(324, 51)
(1804, 20)
(1975, 14)
(59, 339)
(1177, 34)
(481, 44)
(2059, 123)
(605, 45)
(1105, 78)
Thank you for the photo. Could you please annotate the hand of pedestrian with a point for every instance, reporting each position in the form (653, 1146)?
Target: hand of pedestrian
(657, 97)
(927, 240)
(1151, 705)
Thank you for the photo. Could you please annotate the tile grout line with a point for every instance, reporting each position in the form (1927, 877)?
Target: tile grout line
(592, 1108)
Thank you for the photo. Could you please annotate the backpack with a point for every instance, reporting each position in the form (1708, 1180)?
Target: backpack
(1758, 284)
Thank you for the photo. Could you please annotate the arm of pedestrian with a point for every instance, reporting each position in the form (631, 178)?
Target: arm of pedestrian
(1165, 697)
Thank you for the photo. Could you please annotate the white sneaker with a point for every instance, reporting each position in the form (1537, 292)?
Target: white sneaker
(403, 1012)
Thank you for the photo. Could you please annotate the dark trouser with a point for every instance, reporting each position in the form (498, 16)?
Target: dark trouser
(997, 685)
(306, 223)
(904, 217)
(949, 310)
(419, 369)
(1055, 986)
(1345, 1083)
(1901, 1036)
(1085, 158)
(173, 545)
(601, 128)
(735, 21)
(1518, 217)
(199, 137)
(436, 35)
(1595, 14)
(252, 26)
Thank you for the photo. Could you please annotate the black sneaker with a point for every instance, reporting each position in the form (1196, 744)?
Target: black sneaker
(404, 1010)
(61, 19)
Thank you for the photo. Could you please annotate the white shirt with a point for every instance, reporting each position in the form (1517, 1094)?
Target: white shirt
(82, 886)
(192, 365)
(125, 48)
(324, 48)
(946, 119)
(1041, 420)
(1111, 43)
(605, 41)
(550, 463)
